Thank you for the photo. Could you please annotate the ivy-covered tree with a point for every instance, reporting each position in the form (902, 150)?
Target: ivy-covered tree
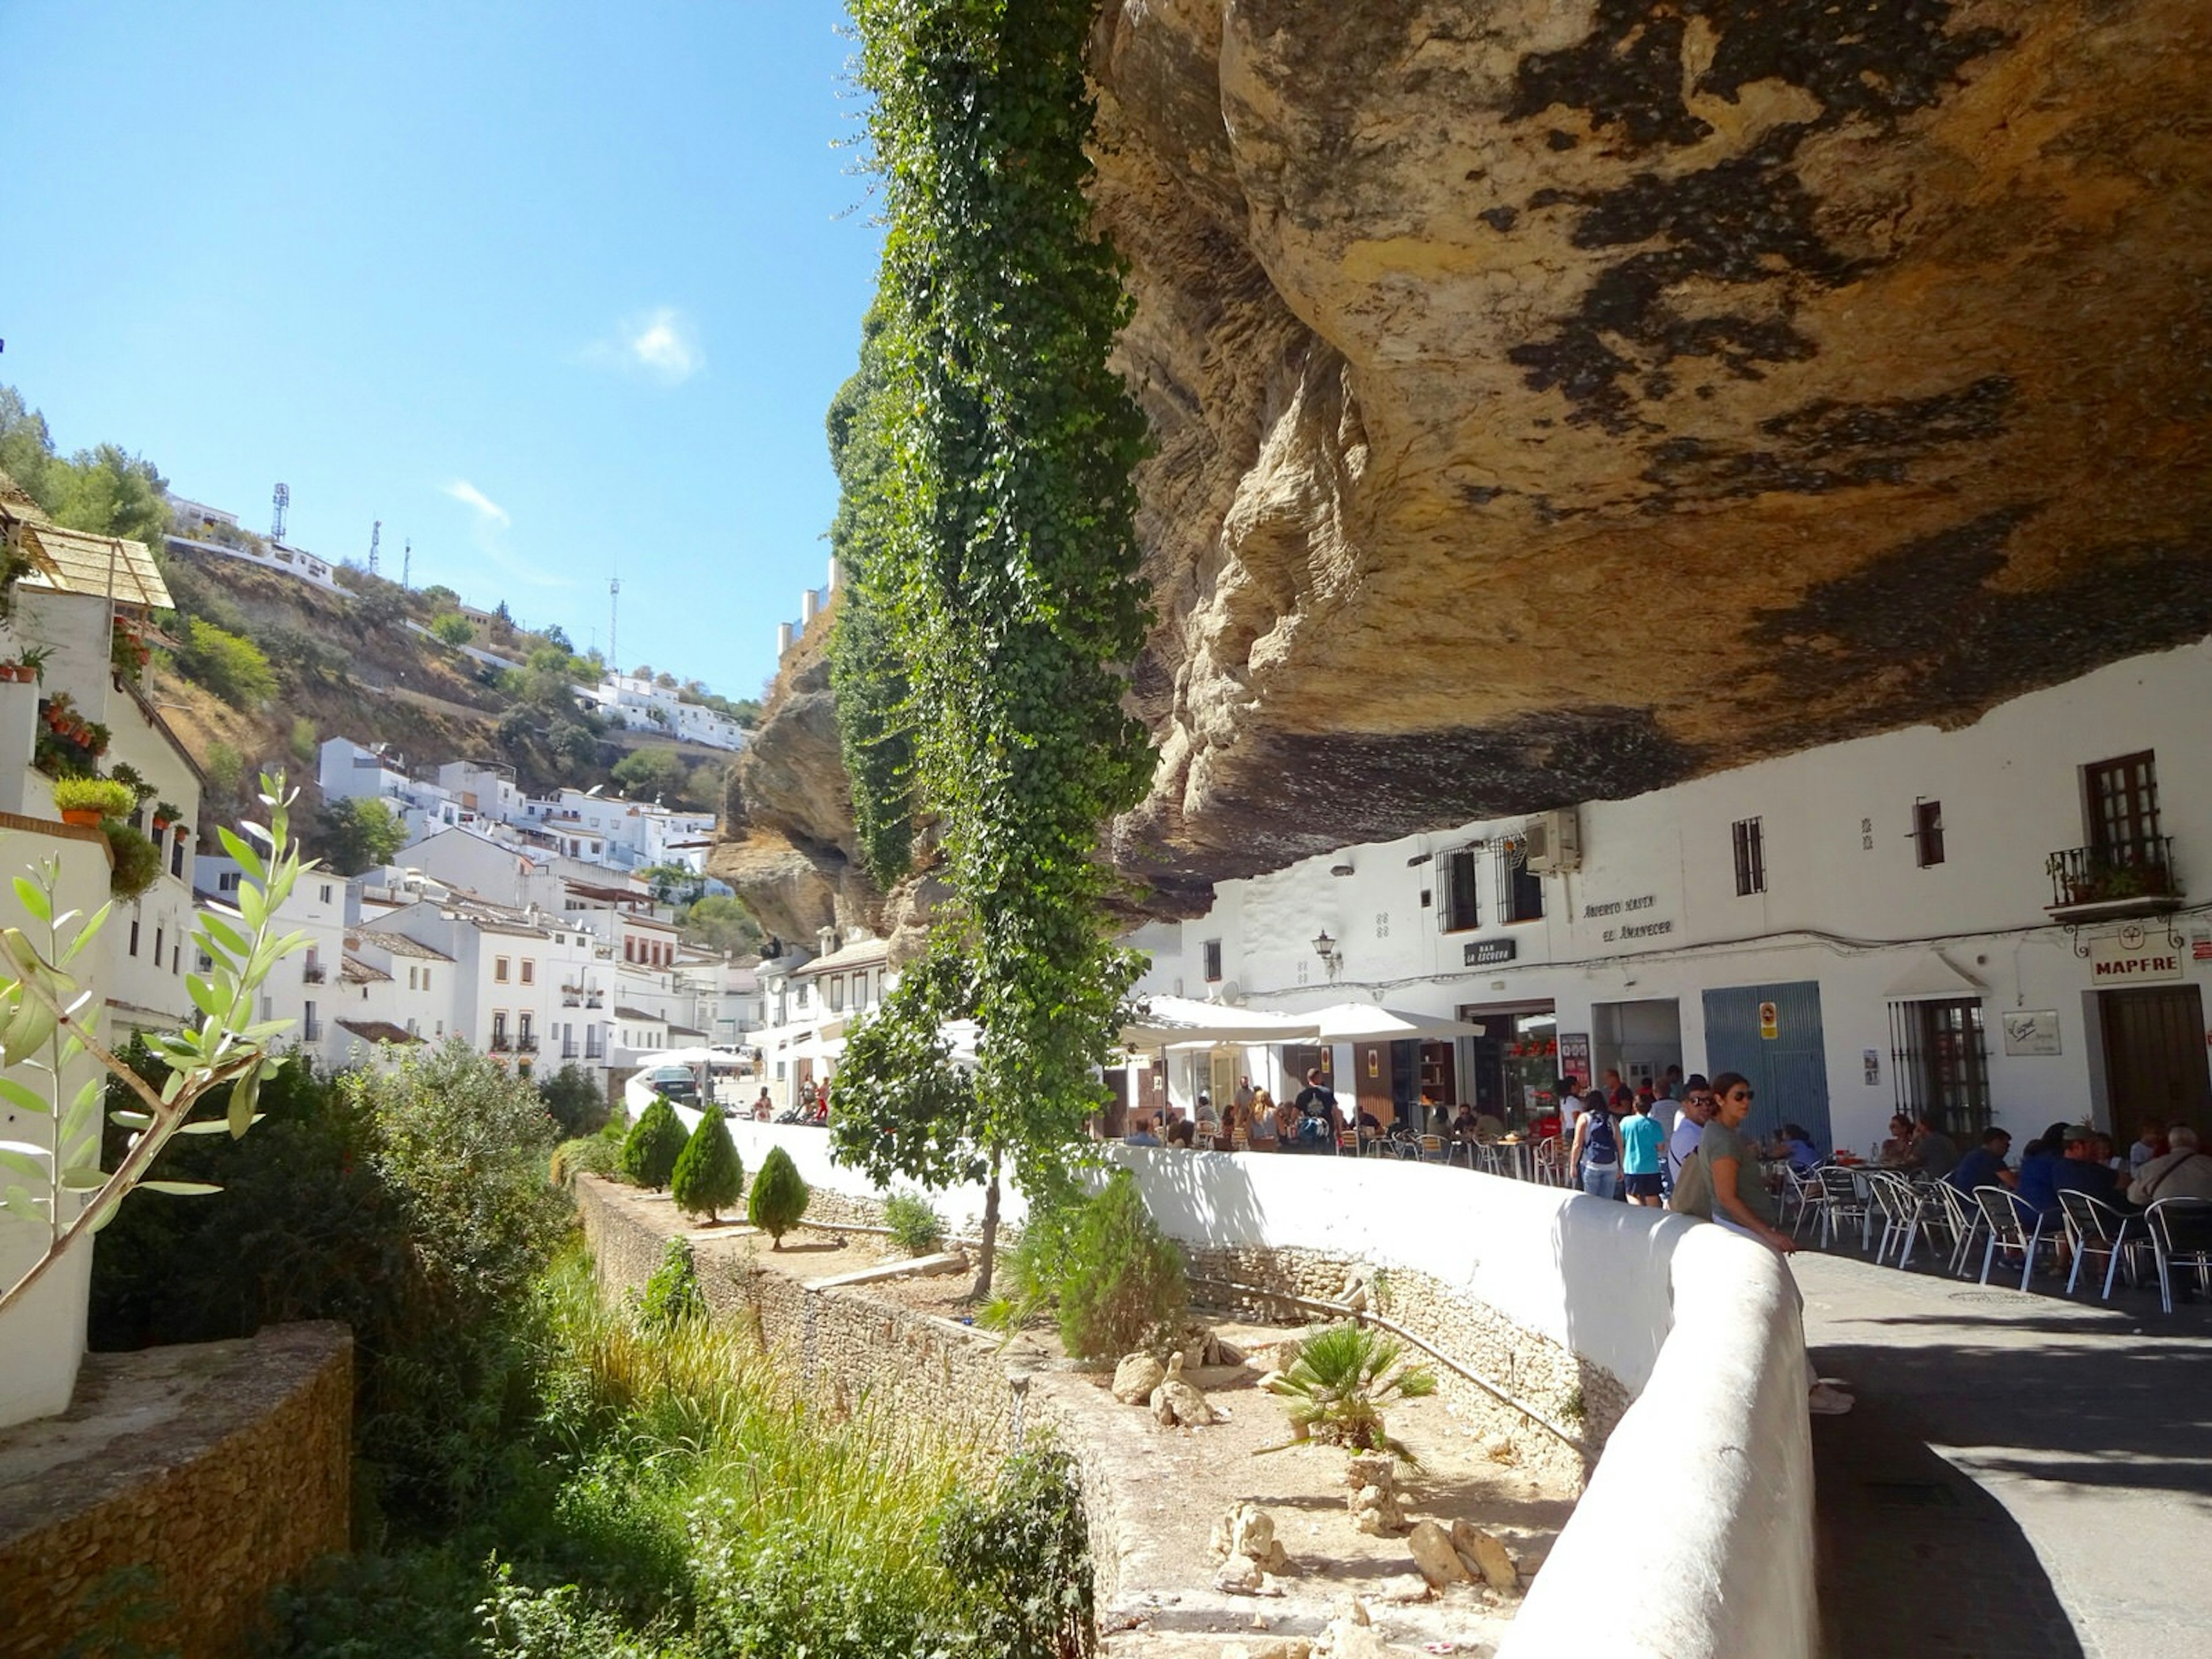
(1001, 551)
(708, 1172)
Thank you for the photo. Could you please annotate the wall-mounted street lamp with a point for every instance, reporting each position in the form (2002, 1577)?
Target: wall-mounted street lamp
(1325, 948)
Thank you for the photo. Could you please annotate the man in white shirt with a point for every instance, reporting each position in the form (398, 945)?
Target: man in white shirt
(1697, 1112)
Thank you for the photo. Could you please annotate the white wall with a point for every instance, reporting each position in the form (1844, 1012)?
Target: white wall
(1846, 906)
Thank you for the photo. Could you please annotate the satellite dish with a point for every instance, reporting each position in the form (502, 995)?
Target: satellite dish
(1231, 993)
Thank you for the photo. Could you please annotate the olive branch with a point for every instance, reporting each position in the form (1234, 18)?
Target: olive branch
(49, 1019)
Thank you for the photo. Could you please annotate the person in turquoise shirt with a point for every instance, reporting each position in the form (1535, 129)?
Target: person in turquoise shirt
(1641, 1136)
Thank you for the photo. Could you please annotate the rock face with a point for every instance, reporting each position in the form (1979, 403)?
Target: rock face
(1556, 400)
(786, 841)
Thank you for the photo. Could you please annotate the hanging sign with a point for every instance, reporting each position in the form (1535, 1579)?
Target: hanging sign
(2134, 956)
(1770, 1020)
(1575, 1057)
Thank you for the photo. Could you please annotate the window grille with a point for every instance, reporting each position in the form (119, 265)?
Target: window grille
(1462, 907)
(1749, 835)
(1928, 831)
(1214, 961)
(1940, 1059)
(1520, 895)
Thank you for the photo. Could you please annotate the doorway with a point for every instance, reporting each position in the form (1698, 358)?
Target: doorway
(1784, 1057)
(1510, 1067)
(2155, 1057)
(1640, 1040)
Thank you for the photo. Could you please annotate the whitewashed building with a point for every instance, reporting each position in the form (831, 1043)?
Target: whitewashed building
(642, 705)
(2005, 923)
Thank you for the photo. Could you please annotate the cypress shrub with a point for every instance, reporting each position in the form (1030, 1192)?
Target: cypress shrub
(779, 1196)
(708, 1172)
(656, 1140)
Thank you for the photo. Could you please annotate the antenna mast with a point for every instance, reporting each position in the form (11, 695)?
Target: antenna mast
(614, 605)
(283, 502)
(376, 535)
(407, 563)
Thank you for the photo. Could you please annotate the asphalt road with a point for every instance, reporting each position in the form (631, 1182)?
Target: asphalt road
(2025, 1476)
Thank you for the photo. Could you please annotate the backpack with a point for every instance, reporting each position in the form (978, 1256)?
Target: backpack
(1601, 1145)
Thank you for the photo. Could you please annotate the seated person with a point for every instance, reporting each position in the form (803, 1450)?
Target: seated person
(1208, 1120)
(1141, 1134)
(1797, 1146)
(1368, 1126)
(1462, 1123)
(2183, 1171)
(1984, 1166)
(2150, 1143)
(2079, 1170)
(1932, 1154)
(2038, 1183)
(1899, 1146)
(1183, 1134)
(1287, 1120)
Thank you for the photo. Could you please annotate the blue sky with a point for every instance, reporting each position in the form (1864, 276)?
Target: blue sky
(552, 290)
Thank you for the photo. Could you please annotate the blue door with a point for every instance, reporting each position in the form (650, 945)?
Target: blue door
(1789, 1071)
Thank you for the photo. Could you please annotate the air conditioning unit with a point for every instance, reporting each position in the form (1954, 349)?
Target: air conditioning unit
(1553, 844)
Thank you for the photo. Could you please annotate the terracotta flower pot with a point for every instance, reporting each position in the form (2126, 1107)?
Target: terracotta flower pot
(88, 816)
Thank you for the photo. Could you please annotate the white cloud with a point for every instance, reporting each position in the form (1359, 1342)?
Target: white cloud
(660, 344)
(493, 522)
(488, 509)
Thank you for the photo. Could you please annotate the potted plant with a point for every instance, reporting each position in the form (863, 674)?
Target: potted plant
(166, 813)
(138, 861)
(32, 665)
(88, 800)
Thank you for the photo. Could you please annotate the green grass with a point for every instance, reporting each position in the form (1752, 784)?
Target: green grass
(680, 1497)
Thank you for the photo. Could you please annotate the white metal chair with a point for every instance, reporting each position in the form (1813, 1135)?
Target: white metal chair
(1898, 1202)
(2096, 1228)
(1802, 1201)
(2009, 1218)
(1845, 1204)
(1946, 1208)
(1550, 1163)
(2181, 1239)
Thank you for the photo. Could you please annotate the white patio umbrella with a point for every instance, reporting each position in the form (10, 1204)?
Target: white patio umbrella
(1370, 1022)
(1179, 1022)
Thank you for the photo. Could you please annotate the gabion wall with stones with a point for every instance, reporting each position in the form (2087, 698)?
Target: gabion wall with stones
(194, 1519)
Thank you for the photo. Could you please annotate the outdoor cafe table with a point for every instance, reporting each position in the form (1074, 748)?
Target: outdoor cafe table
(1509, 1155)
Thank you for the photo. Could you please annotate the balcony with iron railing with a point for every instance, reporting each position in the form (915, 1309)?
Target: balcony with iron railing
(526, 1043)
(2100, 883)
(310, 1030)
(500, 1042)
(569, 1049)
(313, 973)
(593, 1049)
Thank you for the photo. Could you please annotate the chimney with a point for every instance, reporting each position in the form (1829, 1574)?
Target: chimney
(827, 938)
(783, 639)
(809, 603)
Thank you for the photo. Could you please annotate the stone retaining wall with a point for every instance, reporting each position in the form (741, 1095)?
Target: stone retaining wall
(182, 1485)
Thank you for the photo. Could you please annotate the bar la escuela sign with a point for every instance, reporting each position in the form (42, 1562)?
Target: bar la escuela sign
(2134, 956)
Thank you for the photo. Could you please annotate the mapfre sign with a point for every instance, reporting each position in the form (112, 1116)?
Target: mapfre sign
(2134, 956)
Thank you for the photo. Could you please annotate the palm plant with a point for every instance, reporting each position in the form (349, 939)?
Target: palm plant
(1342, 1378)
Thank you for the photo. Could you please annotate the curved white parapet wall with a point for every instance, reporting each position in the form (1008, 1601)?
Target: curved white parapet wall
(1698, 1521)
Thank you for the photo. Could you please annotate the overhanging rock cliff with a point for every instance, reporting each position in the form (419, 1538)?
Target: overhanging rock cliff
(1557, 400)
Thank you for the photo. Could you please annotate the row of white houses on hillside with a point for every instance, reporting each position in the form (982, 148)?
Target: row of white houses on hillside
(538, 965)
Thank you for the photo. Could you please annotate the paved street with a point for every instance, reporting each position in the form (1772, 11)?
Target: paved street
(2024, 1475)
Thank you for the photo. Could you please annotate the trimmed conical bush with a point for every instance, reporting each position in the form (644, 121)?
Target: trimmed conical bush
(708, 1171)
(654, 1144)
(779, 1196)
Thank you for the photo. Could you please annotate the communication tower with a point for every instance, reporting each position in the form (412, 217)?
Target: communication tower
(283, 503)
(614, 608)
(376, 535)
(407, 563)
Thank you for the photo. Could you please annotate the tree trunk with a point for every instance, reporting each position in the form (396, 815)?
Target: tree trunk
(987, 1256)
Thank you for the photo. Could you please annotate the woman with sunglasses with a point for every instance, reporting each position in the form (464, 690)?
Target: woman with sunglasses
(1738, 1200)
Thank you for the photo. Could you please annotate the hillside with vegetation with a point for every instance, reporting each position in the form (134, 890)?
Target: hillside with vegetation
(254, 669)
